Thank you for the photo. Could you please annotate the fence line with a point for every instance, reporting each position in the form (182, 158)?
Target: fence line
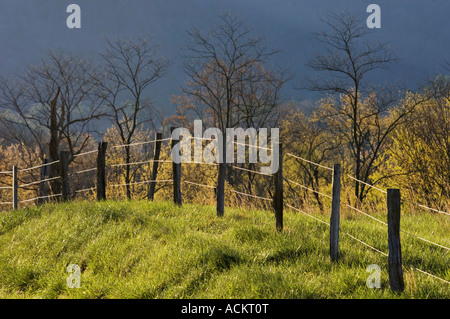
(366, 244)
(7, 172)
(310, 189)
(403, 231)
(308, 161)
(6, 187)
(154, 180)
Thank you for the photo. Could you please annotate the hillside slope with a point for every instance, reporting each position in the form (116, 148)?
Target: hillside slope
(158, 250)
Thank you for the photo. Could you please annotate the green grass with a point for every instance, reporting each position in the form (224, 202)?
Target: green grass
(157, 250)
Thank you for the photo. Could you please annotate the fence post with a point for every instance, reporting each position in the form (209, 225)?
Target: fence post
(15, 185)
(43, 186)
(278, 195)
(64, 162)
(335, 213)
(395, 251)
(176, 172)
(156, 153)
(101, 171)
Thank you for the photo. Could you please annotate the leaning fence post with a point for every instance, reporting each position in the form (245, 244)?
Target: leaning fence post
(101, 170)
(15, 185)
(335, 213)
(64, 162)
(395, 251)
(278, 195)
(176, 172)
(43, 186)
(157, 152)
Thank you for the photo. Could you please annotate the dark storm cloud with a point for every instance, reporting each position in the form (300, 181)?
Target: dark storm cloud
(418, 31)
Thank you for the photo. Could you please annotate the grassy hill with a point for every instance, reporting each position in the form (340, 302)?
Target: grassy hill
(157, 250)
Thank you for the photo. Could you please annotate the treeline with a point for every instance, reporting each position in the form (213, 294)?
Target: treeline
(383, 136)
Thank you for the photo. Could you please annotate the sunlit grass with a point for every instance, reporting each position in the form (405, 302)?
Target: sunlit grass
(140, 249)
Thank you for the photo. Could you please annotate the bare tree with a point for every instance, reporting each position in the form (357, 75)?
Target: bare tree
(360, 112)
(228, 75)
(130, 68)
(51, 106)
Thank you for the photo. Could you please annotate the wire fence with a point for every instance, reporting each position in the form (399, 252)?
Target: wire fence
(153, 180)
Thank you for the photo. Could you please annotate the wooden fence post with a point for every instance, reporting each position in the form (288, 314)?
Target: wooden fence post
(335, 213)
(154, 175)
(278, 195)
(64, 162)
(43, 186)
(176, 172)
(395, 251)
(15, 185)
(101, 171)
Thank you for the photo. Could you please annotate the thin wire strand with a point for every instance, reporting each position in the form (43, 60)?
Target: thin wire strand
(308, 161)
(360, 211)
(358, 180)
(197, 184)
(300, 211)
(144, 182)
(139, 163)
(364, 243)
(254, 196)
(39, 166)
(251, 171)
(426, 207)
(39, 197)
(254, 146)
(86, 190)
(40, 181)
(142, 143)
(87, 170)
(86, 153)
(310, 189)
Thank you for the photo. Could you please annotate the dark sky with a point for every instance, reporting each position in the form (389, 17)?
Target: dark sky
(418, 32)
